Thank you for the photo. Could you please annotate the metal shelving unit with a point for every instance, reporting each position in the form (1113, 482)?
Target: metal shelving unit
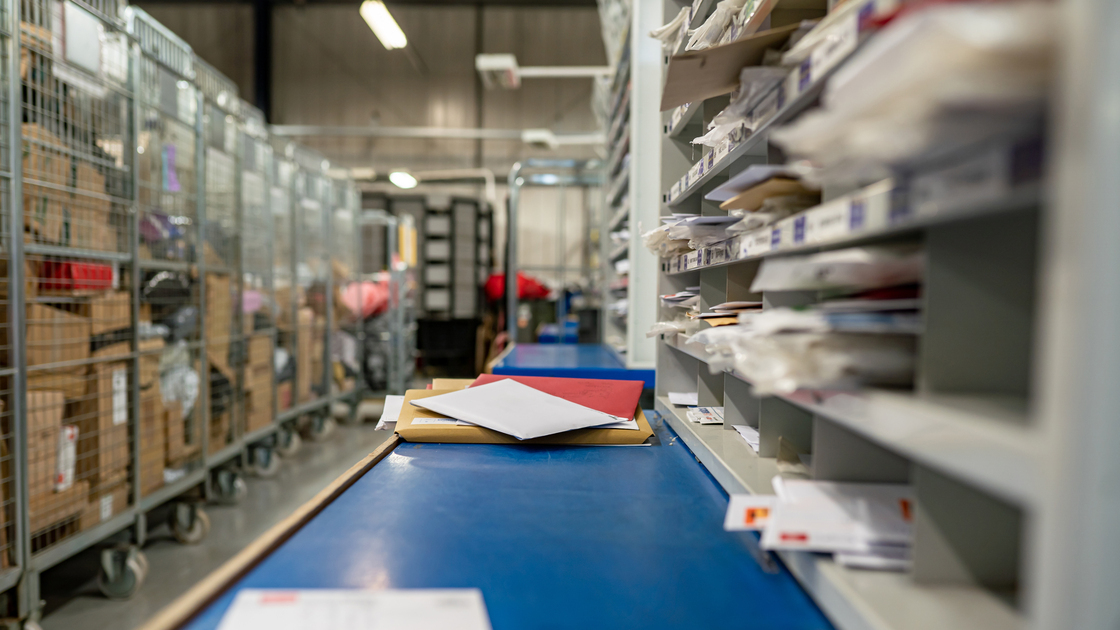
(631, 189)
(1011, 310)
(128, 286)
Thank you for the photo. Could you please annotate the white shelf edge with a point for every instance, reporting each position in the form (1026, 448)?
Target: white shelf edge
(983, 440)
(732, 251)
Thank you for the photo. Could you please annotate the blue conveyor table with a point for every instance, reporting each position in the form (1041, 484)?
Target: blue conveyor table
(555, 537)
(584, 360)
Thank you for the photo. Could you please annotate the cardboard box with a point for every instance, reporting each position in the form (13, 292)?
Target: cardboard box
(181, 447)
(456, 434)
(55, 335)
(153, 442)
(260, 351)
(70, 381)
(150, 353)
(219, 432)
(108, 312)
(258, 398)
(102, 417)
(104, 505)
(44, 424)
(52, 336)
(51, 509)
(304, 350)
(30, 279)
(44, 160)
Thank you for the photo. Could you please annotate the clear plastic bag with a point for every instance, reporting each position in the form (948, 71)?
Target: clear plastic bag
(710, 32)
(670, 34)
(788, 362)
(933, 82)
(853, 268)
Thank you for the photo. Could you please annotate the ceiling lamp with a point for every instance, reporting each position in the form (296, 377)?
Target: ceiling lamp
(381, 22)
(402, 179)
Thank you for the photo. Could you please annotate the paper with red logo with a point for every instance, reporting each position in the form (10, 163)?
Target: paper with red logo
(826, 516)
(748, 512)
(336, 609)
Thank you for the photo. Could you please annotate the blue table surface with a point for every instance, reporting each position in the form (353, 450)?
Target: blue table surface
(554, 536)
(584, 360)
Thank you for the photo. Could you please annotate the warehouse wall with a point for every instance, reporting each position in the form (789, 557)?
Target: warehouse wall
(329, 69)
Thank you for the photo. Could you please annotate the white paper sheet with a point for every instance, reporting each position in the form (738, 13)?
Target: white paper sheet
(329, 609)
(839, 517)
(684, 399)
(750, 434)
(748, 512)
(390, 412)
(515, 409)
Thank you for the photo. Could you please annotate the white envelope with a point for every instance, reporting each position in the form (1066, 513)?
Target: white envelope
(515, 409)
(855, 518)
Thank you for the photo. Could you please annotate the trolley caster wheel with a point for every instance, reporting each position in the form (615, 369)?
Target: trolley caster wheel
(288, 442)
(229, 487)
(189, 523)
(123, 570)
(31, 625)
(322, 427)
(263, 461)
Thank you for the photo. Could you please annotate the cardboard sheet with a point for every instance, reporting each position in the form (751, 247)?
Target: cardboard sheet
(752, 198)
(702, 74)
(463, 434)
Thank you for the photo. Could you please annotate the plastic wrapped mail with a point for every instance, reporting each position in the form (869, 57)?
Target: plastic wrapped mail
(670, 34)
(787, 362)
(933, 82)
(773, 210)
(856, 267)
(661, 244)
(711, 31)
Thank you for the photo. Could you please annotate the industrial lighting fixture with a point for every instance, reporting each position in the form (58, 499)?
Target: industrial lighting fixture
(402, 179)
(501, 70)
(381, 22)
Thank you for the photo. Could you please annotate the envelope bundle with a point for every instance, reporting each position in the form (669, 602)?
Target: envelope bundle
(864, 525)
(934, 81)
(508, 410)
(862, 331)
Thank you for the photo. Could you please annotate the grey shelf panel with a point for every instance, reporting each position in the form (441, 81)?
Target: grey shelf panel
(856, 599)
(620, 215)
(619, 251)
(689, 113)
(734, 464)
(986, 440)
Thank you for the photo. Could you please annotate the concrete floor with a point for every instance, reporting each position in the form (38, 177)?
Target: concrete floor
(70, 589)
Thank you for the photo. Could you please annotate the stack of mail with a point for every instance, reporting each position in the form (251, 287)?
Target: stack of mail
(864, 525)
(683, 299)
(705, 415)
(504, 409)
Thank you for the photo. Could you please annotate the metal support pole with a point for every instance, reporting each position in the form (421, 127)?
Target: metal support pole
(28, 591)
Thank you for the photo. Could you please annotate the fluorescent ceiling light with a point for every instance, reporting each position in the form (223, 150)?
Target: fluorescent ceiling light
(377, 16)
(402, 179)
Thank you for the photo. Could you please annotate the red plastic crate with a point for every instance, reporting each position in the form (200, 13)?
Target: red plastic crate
(76, 276)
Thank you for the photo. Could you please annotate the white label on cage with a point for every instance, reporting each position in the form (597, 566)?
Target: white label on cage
(120, 397)
(106, 507)
(116, 278)
(82, 37)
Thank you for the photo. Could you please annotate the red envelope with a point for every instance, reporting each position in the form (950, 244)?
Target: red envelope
(618, 398)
